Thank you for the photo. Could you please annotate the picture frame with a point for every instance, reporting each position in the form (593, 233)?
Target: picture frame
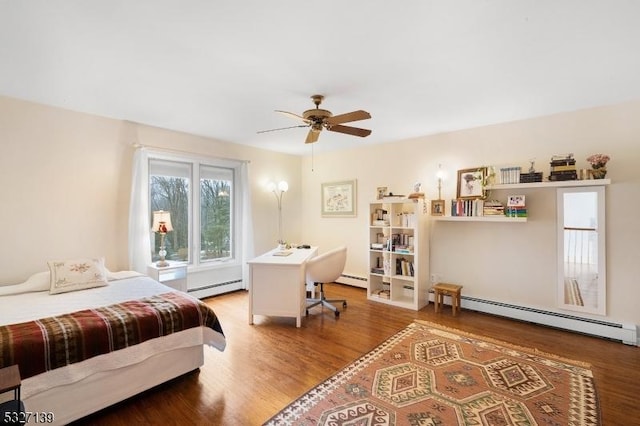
(515, 201)
(437, 208)
(338, 199)
(381, 191)
(471, 183)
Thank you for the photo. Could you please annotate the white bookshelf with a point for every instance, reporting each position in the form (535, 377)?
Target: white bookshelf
(407, 220)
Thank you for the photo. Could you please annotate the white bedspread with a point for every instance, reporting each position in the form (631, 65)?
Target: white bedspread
(31, 306)
(24, 307)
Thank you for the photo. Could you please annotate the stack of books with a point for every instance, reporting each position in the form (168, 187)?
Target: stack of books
(383, 294)
(563, 168)
(516, 206)
(493, 208)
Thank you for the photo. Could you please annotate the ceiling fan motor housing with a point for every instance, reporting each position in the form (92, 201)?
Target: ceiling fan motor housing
(316, 114)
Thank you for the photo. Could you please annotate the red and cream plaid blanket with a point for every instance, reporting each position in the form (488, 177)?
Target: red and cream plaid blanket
(49, 343)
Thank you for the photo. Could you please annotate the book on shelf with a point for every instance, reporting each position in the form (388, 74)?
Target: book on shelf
(377, 246)
(474, 207)
(404, 267)
(563, 168)
(531, 177)
(383, 294)
(510, 174)
(516, 212)
(493, 208)
(563, 176)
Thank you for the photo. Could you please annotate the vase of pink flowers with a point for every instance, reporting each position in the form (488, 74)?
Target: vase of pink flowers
(598, 165)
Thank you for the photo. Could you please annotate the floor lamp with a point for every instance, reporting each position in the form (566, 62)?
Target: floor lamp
(278, 190)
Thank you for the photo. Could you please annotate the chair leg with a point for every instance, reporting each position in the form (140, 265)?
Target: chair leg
(323, 301)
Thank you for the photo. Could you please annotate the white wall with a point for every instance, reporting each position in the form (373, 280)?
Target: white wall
(66, 181)
(514, 263)
(66, 177)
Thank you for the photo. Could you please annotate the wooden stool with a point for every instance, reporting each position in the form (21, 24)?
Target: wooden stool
(442, 289)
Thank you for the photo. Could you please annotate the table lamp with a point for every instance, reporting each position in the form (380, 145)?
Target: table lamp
(162, 225)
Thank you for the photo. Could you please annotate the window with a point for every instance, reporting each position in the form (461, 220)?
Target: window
(202, 215)
(215, 213)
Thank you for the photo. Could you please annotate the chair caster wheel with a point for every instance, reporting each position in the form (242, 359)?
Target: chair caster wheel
(337, 314)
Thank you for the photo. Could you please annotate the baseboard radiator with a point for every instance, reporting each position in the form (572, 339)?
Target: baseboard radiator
(353, 280)
(626, 333)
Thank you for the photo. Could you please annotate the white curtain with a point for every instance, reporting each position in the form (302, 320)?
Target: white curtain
(247, 221)
(139, 226)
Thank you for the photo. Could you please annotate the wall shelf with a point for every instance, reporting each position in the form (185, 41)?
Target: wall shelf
(479, 219)
(559, 184)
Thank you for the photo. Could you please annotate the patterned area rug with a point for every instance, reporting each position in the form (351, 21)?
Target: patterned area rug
(432, 375)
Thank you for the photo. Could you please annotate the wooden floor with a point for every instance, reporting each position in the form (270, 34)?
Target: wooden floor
(270, 363)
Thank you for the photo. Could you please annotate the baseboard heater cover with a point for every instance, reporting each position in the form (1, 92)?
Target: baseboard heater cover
(353, 280)
(213, 289)
(627, 333)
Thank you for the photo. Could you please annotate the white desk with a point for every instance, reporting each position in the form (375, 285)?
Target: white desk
(277, 284)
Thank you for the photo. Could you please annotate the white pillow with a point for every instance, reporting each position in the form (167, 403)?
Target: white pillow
(36, 282)
(76, 274)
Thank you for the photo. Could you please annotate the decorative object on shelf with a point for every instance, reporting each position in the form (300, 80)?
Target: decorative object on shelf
(162, 225)
(417, 192)
(471, 183)
(437, 207)
(278, 190)
(531, 175)
(381, 191)
(599, 165)
(339, 199)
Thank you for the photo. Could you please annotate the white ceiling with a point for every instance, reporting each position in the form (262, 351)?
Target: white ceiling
(221, 68)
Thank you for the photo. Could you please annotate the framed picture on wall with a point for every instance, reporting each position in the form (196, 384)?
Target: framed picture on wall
(471, 183)
(338, 199)
(381, 192)
(437, 208)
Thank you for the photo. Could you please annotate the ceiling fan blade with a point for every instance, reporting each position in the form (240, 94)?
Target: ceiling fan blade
(294, 116)
(282, 128)
(355, 131)
(347, 117)
(312, 136)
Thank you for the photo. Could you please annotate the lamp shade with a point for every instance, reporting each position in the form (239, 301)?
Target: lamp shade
(161, 221)
(283, 186)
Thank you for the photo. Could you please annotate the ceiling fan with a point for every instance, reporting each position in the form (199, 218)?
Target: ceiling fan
(318, 119)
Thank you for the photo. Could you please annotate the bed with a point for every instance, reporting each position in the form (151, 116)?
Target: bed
(73, 390)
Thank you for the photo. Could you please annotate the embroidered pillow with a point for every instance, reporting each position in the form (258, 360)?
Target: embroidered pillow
(76, 274)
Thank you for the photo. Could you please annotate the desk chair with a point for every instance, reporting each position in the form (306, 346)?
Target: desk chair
(326, 268)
